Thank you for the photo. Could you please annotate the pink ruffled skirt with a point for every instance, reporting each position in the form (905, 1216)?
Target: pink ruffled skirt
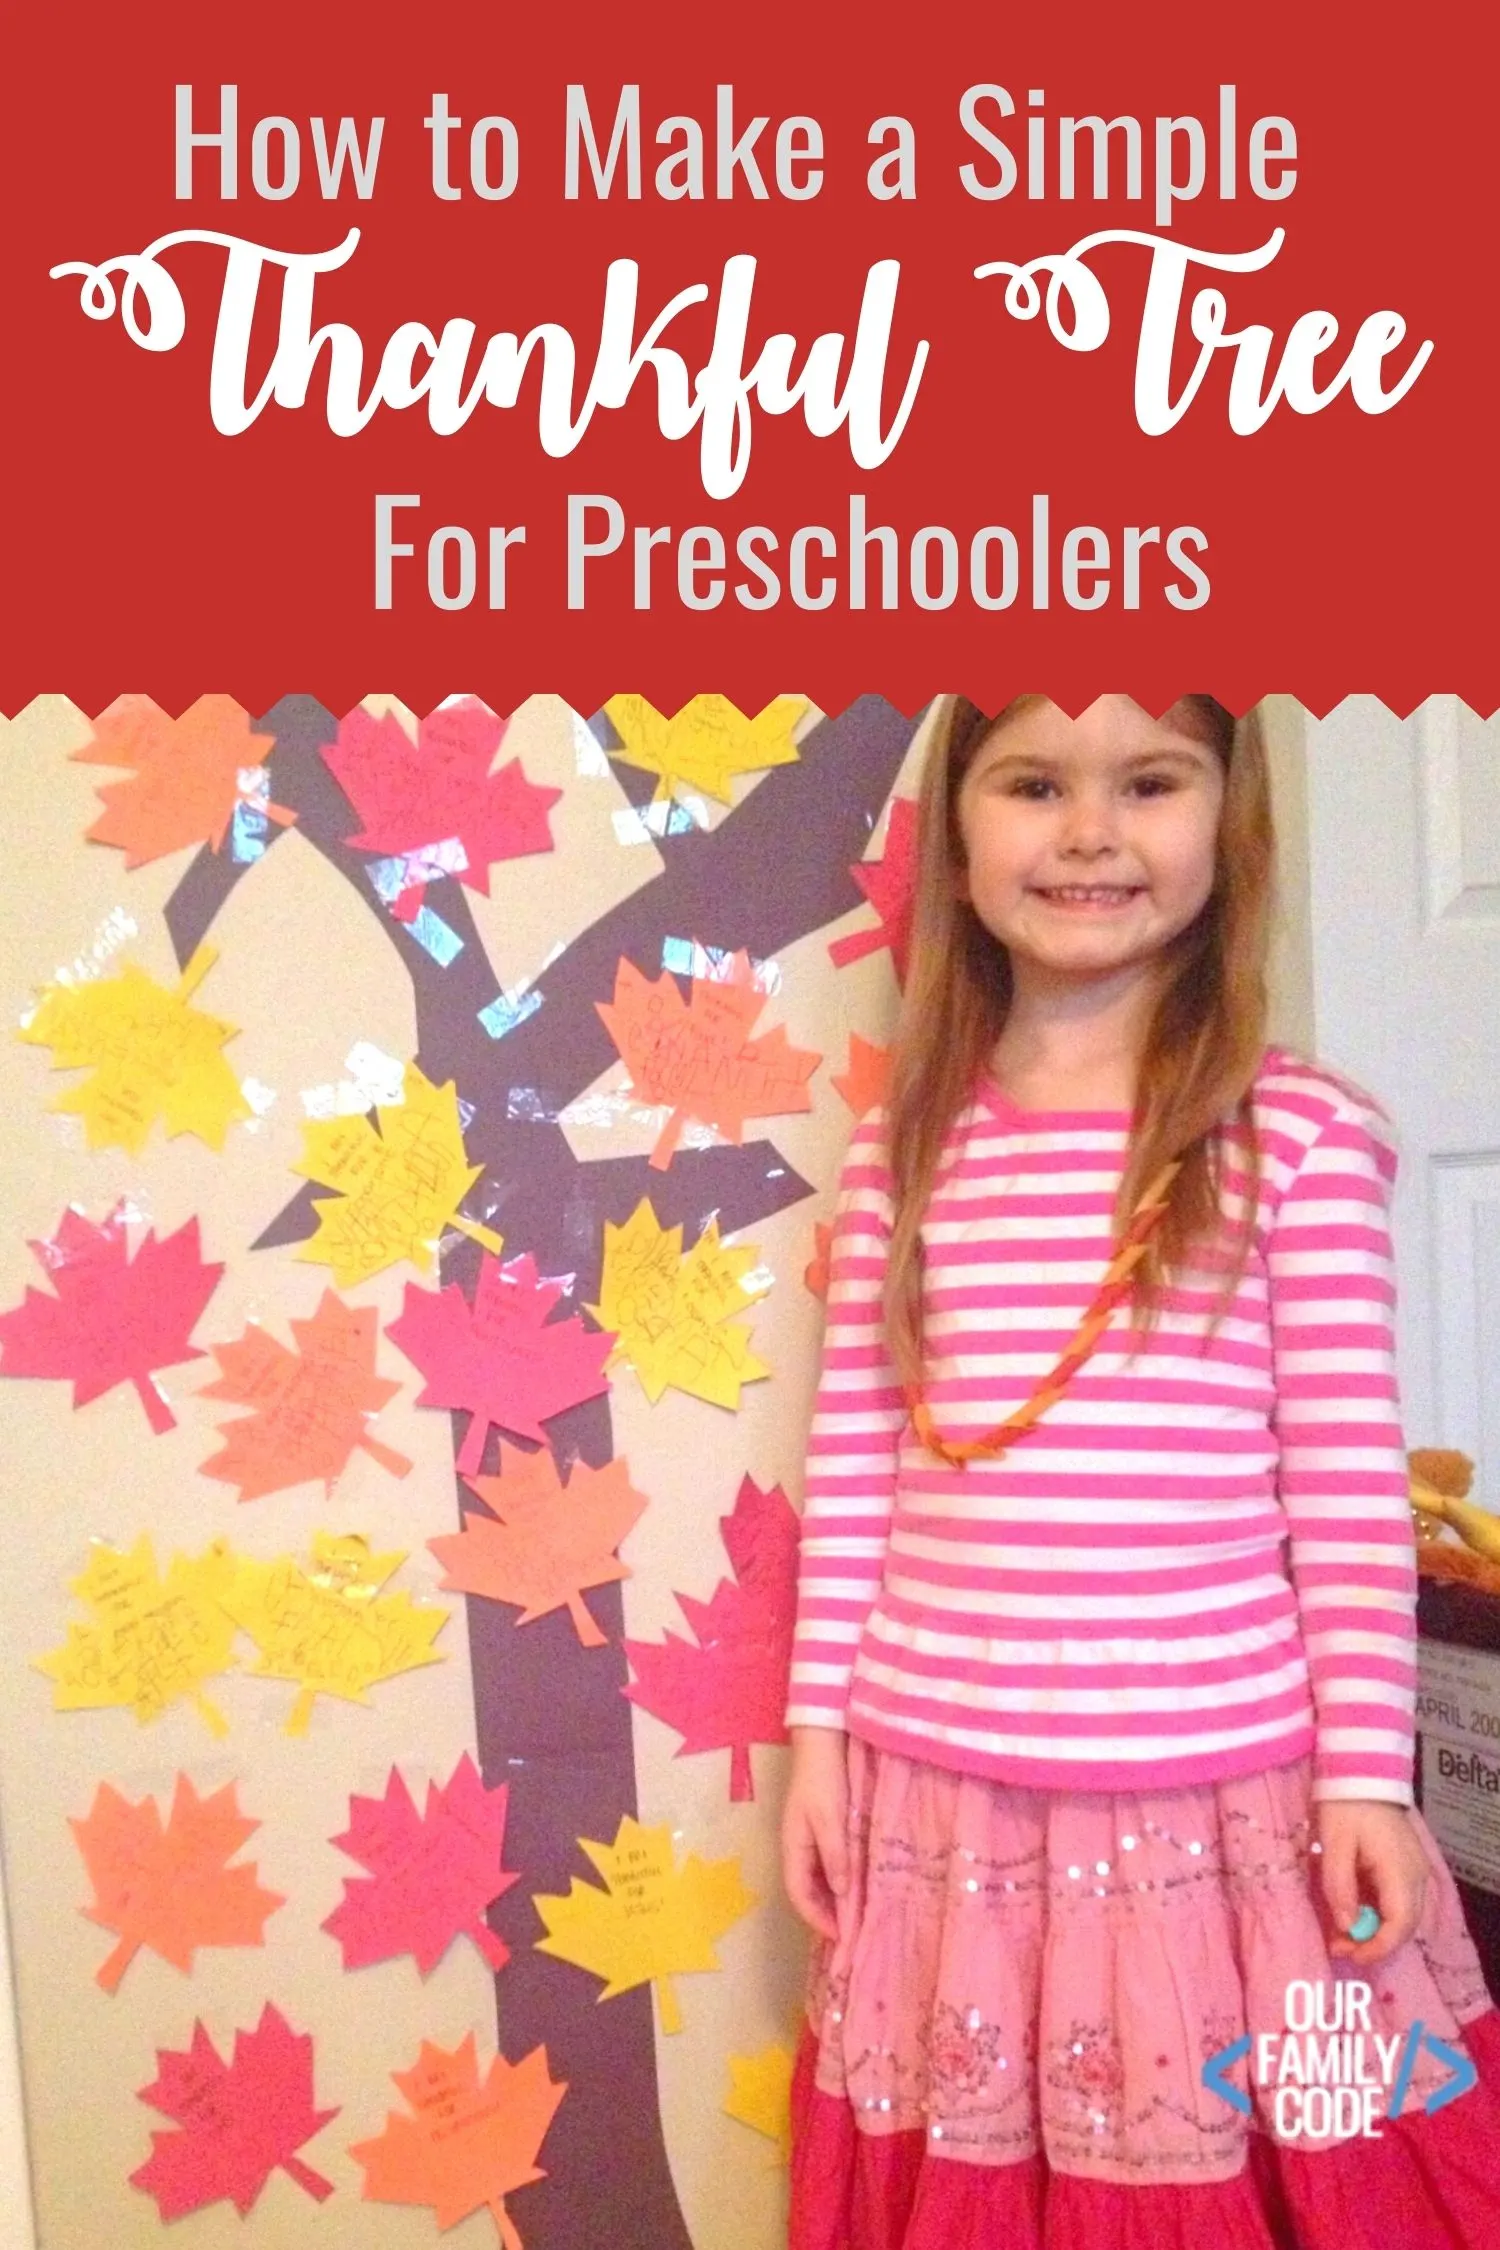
(1006, 2050)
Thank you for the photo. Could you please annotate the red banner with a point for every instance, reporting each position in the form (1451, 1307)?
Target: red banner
(687, 349)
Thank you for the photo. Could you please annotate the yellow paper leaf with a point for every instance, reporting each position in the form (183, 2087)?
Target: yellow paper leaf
(153, 1639)
(674, 1315)
(760, 2094)
(652, 1921)
(397, 1187)
(330, 1628)
(152, 1055)
(706, 744)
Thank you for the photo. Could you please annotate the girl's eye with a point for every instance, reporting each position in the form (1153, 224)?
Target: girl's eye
(1154, 784)
(1033, 788)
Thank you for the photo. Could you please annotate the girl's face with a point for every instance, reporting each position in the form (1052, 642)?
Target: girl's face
(1089, 843)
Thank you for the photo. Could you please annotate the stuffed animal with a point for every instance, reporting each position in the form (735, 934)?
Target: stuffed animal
(1440, 1482)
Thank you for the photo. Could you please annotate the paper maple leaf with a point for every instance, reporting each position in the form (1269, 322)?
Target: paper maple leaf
(652, 1921)
(114, 1319)
(544, 1541)
(397, 1187)
(727, 1688)
(698, 1057)
(760, 2095)
(168, 1885)
(187, 774)
(863, 1084)
(674, 1314)
(500, 1357)
(706, 743)
(330, 1629)
(411, 795)
(240, 2119)
(889, 883)
(310, 1407)
(151, 1054)
(466, 2146)
(816, 1272)
(155, 1639)
(431, 1874)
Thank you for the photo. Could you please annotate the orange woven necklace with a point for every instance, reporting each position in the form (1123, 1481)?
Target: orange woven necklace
(1112, 1291)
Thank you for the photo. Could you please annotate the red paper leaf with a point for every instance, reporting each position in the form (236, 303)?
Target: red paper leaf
(240, 2119)
(698, 1055)
(431, 1874)
(411, 795)
(500, 1357)
(545, 1541)
(113, 1319)
(729, 1689)
(310, 1407)
(889, 883)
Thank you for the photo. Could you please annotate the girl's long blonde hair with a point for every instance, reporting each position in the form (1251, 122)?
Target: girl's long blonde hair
(1202, 1048)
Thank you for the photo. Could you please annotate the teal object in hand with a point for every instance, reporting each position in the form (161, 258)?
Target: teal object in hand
(1366, 1922)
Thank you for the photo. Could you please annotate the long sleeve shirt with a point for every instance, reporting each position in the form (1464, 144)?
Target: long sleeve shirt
(1200, 1561)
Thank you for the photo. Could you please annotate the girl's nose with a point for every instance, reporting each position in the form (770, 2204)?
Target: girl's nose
(1089, 827)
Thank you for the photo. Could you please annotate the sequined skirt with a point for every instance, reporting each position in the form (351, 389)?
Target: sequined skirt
(1008, 2045)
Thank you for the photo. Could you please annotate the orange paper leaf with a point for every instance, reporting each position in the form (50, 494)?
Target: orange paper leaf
(170, 1886)
(816, 1273)
(465, 2145)
(185, 777)
(698, 1056)
(310, 1408)
(864, 1082)
(543, 1541)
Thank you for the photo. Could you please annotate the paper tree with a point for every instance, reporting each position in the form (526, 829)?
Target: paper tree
(543, 1542)
(500, 1357)
(889, 883)
(167, 1884)
(398, 1188)
(240, 2120)
(465, 2146)
(310, 1407)
(152, 1640)
(674, 1315)
(431, 1875)
(698, 1056)
(330, 1628)
(152, 1056)
(727, 1688)
(706, 743)
(187, 775)
(114, 1319)
(652, 1921)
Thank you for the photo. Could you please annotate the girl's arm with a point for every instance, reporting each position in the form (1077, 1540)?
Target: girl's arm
(1344, 1483)
(851, 1455)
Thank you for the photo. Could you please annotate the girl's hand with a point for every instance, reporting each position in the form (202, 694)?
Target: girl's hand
(1370, 1851)
(814, 1846)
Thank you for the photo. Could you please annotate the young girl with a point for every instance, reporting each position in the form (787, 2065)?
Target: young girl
(1103, 1683)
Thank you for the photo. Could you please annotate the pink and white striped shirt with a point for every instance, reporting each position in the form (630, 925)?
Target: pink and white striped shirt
(1200, 1561)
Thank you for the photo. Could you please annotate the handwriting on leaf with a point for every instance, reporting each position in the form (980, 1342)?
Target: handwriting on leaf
(151, 1054)
(168, 1884)
(653, 1920)
(240, 2120)
(151, 1639)
(706, 743)
(889, 883)
(501, 1357)
(310, 1407)
(431, 1874)
(187, 775)
(113, 1319)
(726, 1689)
(398, 1186)
(465, 2145)
(413, 795)
(760, 2095)
(674, 1314)
(330, 1628)
(543, 1541)
(698, 1057)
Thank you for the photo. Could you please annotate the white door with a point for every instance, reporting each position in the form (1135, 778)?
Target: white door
(1404, 850)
